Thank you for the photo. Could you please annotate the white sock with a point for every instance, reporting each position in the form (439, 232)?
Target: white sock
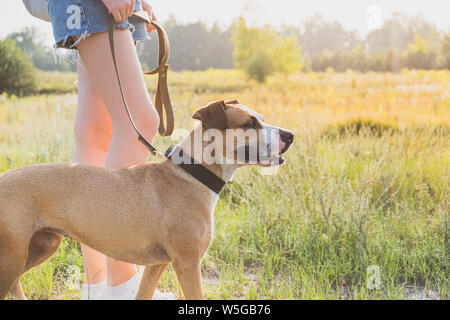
(129, 289)
(124, 291)
(93, 291)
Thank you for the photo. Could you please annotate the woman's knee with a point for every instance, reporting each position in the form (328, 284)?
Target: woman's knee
(146, 122)
(150, 124)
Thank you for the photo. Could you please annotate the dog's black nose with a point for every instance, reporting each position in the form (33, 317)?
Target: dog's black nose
(287, 137)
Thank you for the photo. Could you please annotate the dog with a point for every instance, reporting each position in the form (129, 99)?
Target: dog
(151, 214)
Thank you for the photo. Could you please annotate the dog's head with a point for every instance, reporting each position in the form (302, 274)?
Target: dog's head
(243, 135)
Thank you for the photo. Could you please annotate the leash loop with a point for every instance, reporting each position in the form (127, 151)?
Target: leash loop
(162, 98)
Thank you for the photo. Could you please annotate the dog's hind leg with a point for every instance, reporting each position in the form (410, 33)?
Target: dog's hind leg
(149, 281)
(42, 246)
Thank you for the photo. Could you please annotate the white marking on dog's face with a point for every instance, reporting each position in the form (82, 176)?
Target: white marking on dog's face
(270, 136)
(253, 112)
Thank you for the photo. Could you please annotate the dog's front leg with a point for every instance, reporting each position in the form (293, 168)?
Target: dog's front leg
(17, 292)
(149, 281)
(189, 276)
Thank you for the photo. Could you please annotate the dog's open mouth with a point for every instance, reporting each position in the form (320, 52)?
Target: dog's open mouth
(260, 159)
(265, 158)
(272, 161)
(275, 160)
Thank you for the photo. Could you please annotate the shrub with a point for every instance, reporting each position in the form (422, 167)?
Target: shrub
(444, 59)
(17, 73)
(259, 67)
(364, 127)
(418, 55)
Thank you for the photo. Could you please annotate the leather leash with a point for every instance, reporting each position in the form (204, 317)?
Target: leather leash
(162, 99)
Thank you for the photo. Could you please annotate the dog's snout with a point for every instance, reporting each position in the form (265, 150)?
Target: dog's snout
(287, 137)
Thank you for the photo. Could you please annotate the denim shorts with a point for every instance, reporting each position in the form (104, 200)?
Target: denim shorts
(74, 20)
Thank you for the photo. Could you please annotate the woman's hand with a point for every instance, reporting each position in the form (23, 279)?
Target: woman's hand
(151, 14)
(120, 9)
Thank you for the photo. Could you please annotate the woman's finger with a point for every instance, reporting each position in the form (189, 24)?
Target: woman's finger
(117, 16)
(131, 9)
(153, 19)
(148, 8)
(124, 14)
(150, 27)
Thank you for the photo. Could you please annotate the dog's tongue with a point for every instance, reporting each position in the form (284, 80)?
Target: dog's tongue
(265, 163)
(282, 145)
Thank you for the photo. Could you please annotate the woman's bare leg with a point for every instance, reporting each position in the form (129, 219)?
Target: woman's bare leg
(93, 134)
(125, 150)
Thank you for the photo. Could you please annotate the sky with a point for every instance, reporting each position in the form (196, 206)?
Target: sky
(360, 15)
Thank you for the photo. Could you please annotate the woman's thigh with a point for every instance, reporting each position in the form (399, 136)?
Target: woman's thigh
(96, 56)
(87, 32)
(73, 20)
(93, 125)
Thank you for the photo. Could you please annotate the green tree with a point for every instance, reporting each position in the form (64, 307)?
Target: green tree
(194, 46)
(316, 35)
(259, 66)
(444, 58)
(17, 73)
(418, 54)
(262, 51)
(287, 55)
(399, 31)
(250, 41)
(30, 41)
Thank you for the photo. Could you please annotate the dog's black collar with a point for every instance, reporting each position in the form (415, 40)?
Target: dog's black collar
(198, 171)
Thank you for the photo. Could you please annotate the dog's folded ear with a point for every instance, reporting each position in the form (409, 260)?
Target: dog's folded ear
(232, 102)
(213, 116)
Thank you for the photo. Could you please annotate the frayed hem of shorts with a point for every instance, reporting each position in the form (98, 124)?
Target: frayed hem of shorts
(69, 43)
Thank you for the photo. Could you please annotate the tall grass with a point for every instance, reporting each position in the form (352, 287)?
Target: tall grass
(374, 194)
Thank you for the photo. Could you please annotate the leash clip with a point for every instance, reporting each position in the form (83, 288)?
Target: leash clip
(160, 155)
(151, 148)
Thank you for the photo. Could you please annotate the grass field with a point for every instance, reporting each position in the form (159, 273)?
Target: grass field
(364, 192)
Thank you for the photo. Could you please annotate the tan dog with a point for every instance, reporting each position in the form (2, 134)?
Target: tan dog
(151, 214)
